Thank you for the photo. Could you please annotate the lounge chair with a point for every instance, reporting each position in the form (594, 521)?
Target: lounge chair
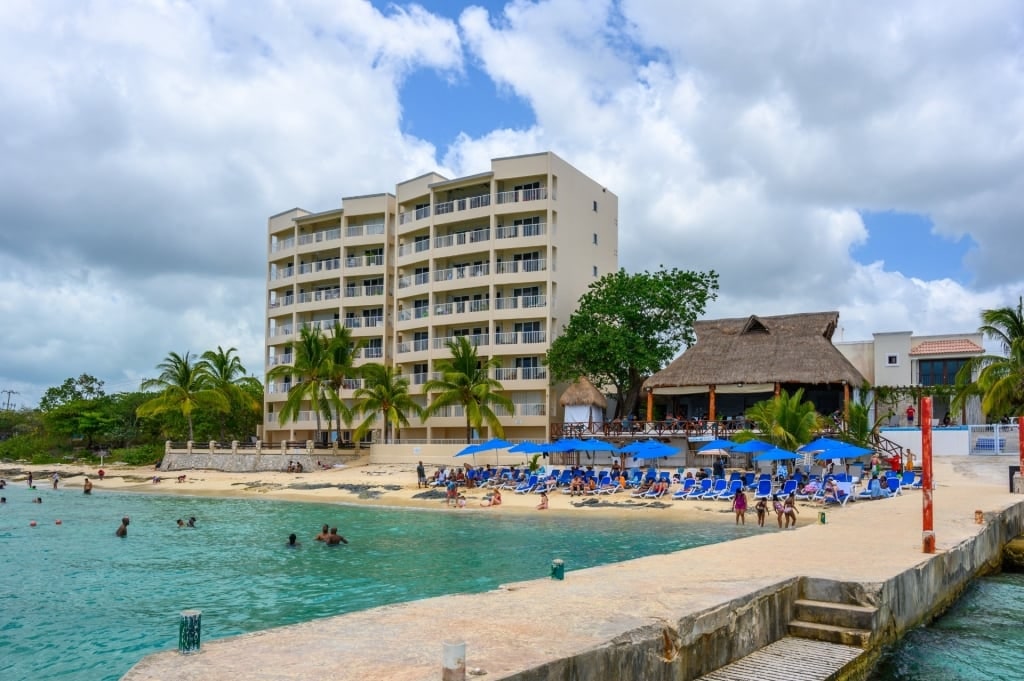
(760, 478)
(527, 487)
(720, 485)
(842, 495)
(764, 489)
(681, 493)
(701, 488)
(872, 491)
(730, 492)
(788, 487)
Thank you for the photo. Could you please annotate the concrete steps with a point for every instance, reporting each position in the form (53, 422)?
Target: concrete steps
(841, 623)
(789, 659)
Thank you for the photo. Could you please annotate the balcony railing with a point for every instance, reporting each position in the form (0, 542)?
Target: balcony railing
(278, 387)
(474, 340)
(461, 307)
(513, 266)
(282, 331)
(317, 296)
(320, 236)
(356, 291)
(373, 352)
(321, 324)
(413, 313)
(420, 377)
(356, 261)
(280, 359)
(462, 238)
(284, 273)
(514, 337)
(523, 195)
(284, 244)
(524, 302)
(351, 383)
(462, 272)
(284, 301)
(368, 229)
(524, 230)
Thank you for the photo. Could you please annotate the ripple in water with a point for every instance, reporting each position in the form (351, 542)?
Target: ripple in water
(80, 604)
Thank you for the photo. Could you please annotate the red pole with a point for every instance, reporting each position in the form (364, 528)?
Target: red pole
(928, 524)
(1020, 442)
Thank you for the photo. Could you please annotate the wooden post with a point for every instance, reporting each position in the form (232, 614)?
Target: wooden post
(846, 402)
(650, 405)
(928, 520)
(778, 388)
(711, 403)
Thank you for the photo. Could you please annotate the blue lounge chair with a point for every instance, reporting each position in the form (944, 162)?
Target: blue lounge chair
(788, 487)
(721, 484)
(527, 487)
(730, 492)
(681, 493)
(764, 489)
(699, 490)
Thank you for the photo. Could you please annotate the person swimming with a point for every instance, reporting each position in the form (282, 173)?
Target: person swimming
(122, 531)
(191, 521)
(333, 539)
(293, 541)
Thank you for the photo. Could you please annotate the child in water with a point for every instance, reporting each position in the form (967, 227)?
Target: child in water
(739, 504)
(762, 510)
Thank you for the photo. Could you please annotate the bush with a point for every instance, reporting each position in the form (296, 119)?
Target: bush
(143, 455)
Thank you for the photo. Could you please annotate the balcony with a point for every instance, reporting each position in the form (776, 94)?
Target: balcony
(373, 352)
(516, 337)
(323, 325)
(462, 238)
(413, 215)
(320, 236)
(374, 229)
(286, 330)
(521, 302)
(521, 374)
(351, 383)
(465, 203)
(283, 273)
(462, 272)
(412, 346)
(515, 266)
(284, 301)
(415, 247)
(521, 195)
(319, 296)
(277, 360)
(414, 313)
(418, 279)
(367, 291)
(278, 387)
(283, 245)
(474, 340)
(357, 261)
(363, 322)
(461, 307)
(523, 231)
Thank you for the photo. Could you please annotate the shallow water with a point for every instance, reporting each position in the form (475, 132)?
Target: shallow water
(79, 603)
(981, 638)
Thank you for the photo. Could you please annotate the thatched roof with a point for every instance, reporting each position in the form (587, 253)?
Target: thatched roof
(583, 392)
(794, 348)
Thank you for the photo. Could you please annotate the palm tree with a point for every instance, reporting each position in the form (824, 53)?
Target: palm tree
(997, 379)
(228, 376)
(310, 369)
(341, 352)
(786, 420)
(465, 380)
(184, 386)
(385, 394)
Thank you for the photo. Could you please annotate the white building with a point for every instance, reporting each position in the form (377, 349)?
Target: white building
(501, 257)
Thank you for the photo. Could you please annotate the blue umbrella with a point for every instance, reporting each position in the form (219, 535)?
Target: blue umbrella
(654, 450)
(776, 454)
(822, 444)
(844, 452)
(468, 449)
(599, 446)
(526, 448)
(752, 447)
(636, 446)
(717, 445)
(494, 444)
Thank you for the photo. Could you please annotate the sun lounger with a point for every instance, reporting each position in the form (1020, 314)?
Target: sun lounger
(527, 487)
(843, 492)
(788, 487)
(700, 489)
(730, 492)
(764, 489)
(720, 485)
(688, 484)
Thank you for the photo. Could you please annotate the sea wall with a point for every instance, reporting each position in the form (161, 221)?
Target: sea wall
(244, 462)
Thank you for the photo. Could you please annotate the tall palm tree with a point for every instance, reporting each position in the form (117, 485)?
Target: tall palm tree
(997, 379)
(184, 386)
(309, 369)
(465, 380)
(228, 376)
(786, 420)
(341, 352)
(385, 394)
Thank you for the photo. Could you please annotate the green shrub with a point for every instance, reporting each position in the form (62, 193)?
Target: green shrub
(142, 455)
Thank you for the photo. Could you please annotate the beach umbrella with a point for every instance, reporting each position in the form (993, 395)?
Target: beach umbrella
(635, 446)
(496, 444)
(526, 448)
(776, 454)
(468, 449)
(752, 447)
(654, 450)
(716, 446)
(844, 452)
(822, 444)
(599, 446)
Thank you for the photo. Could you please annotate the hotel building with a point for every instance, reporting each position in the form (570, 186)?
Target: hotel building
(501, 257)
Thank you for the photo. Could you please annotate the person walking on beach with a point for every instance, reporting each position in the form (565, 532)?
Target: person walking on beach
(790, 510)
(421, 476)
(739, 504)
(123, 530)
(56, 479)
(778, 508)
(762, 510)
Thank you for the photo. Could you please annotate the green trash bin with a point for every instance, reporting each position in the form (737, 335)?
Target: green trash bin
(821, 517)
(557, 569)
(189, 631)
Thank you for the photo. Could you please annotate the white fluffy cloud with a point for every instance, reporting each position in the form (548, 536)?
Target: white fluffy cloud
(145, 144)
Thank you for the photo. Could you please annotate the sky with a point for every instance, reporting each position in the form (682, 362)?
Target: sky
(819, 155)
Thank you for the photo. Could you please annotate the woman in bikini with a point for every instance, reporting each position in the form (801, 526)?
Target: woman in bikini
(739, 504)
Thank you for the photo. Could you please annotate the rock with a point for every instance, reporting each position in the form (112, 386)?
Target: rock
(1013, 555)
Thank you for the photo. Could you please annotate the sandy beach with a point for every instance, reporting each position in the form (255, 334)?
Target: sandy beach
(394, 485)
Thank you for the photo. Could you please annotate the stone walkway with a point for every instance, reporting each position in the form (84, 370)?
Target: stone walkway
(529, 624)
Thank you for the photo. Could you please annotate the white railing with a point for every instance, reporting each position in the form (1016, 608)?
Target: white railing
(367, 229)
(462, 238)
(419, 378)
(280, 359)
(351, 383)
(513, 266)
(474, 340)
(305, 268)
(461, 307)
(414, 247)
(451, 411)
(322, 324)
(282, 331)
(462, 272)
(525, 231)
(523, 195)
(282, 302)
(328, 264)
(320, 236)
(356, 291)
(513, 337)
(993, 439)
(373, 353)
(413, 313)
(284, 272)
(284, 244)
(516, 302)
(278, 387)
(317, 296)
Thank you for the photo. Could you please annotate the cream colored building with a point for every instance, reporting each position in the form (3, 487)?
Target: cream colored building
(501, 257)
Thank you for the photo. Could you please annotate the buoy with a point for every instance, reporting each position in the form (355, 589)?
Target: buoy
(58, 521)
(31, 523)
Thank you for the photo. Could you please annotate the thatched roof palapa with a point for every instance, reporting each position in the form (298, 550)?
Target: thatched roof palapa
(794, 348)
(583, 392)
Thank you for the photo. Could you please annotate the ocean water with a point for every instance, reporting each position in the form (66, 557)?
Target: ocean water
(980, 638)
(78, 603)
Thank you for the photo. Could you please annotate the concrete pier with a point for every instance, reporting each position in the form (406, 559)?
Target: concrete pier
(678, 616)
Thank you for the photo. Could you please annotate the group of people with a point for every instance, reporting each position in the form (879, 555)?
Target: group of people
(328, 535)
(785, 509)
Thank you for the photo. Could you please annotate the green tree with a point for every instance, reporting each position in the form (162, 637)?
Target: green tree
(860, 429)
(384, 394)
(85, 387)
(342, 351)
(629, 326)
(786, 420)
(184, 386)
(310, 370)
(227, 376)
(465, 380)
(997, 379)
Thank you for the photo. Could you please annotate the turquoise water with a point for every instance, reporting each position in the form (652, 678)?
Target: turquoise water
(981, 638)
(80, 604)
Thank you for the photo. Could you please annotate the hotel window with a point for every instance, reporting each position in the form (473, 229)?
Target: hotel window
(939, 371)
(595, 238)
(595, 270)
(595, 206)
(892, 360)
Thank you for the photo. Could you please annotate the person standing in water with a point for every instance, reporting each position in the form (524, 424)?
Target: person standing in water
(123, 530)
(87, 486)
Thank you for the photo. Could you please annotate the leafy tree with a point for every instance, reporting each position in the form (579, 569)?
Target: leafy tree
(997, 379)
(227, 376)
(384, 394)
(184, 386)
(465, 380)
(342, 351)
(629, 326)
(85, 387)
(786, 420)
(311, 370)
(860, 429)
